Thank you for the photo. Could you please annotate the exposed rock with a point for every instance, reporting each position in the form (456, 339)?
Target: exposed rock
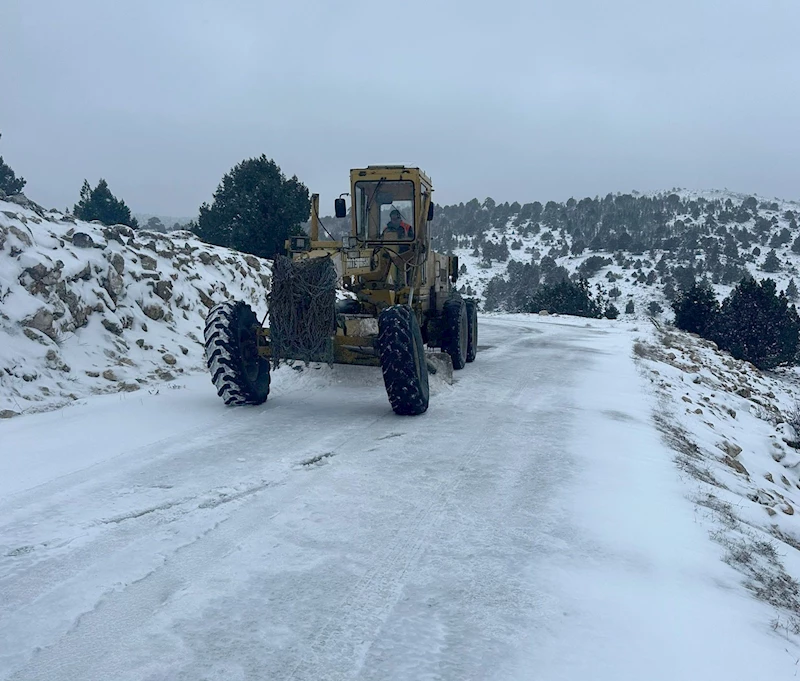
(543, 313)
(109, 375)
(112, 326)
(154, 311)
(128, 387)
(685, 398)
(93, 374)
(82, 240)
(731, 449)
(148, 263)
(113, 283)
(253, 262)
(744, 392)
(169, 359)
(41, 274)
(736, 465)
(7, 413)
(163, 289)
(205, 299)
(118, 262)
(24, 237)
(184, 350)
(80, 315)
(22, 200)
(85, 274)
(42, 321)
(37, 336)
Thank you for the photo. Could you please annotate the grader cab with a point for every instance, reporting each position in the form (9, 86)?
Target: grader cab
(376, 298)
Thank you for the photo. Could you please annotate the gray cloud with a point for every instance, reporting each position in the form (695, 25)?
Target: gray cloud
(516, 100)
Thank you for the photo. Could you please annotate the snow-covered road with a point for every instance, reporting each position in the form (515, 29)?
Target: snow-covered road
(530, 525)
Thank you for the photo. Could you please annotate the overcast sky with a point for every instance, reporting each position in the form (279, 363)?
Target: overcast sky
(532, 100)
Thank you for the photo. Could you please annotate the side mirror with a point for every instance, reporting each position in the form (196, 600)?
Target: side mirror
(453, 268)
(340, 207)
(430, 212)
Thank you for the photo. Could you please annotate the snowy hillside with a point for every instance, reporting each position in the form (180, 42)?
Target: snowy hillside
(722, 226)
(88, 309)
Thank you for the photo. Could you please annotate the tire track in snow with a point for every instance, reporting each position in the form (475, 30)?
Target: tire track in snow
(362, 613)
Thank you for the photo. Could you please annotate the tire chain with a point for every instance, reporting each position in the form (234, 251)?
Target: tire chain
(397, 362)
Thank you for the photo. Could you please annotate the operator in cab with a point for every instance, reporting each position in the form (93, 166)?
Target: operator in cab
(397, 224)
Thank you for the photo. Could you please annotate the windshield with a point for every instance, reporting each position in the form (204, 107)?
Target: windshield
(384, 208)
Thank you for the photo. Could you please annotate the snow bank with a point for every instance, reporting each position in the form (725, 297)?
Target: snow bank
(730, 426)
(87, 309)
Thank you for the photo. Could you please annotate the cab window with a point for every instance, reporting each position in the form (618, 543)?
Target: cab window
(375, 201)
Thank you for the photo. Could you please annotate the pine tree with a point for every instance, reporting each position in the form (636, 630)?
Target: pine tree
(255, 209)
(696, 309)
(629, 307)
(791, 290)
(758, 325)
(771, 262)
(100, 204)
(654, 308)
(566, 297)
(9, 182)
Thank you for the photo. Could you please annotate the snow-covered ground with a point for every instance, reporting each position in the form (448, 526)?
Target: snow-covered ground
(533, 524)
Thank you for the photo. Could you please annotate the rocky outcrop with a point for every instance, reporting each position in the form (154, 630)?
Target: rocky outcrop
(119, 305)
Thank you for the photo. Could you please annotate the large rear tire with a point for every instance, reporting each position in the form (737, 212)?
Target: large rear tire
(402, 353)
(237, 372)
(472, 330)
(456, 331)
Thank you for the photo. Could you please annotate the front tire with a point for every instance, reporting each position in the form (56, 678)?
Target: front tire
(237, 372)
(402, 353)
(472, 330)
(456, 331)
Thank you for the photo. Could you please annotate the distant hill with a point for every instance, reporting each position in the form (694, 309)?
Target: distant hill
(169, 223)
(636, 247)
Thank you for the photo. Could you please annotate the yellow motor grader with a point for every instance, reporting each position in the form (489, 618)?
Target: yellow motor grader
(378, 297)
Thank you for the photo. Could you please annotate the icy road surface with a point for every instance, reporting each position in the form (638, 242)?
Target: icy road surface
(531, 525)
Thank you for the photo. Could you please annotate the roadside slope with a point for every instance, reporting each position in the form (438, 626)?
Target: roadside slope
(88, 309)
